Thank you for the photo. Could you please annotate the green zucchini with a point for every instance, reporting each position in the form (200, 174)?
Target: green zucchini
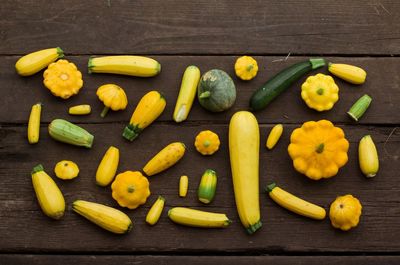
(66, 132)
(207, 186)
(282, 81)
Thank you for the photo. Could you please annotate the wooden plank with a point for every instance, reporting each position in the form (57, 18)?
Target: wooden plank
(202, 27)
(25, 229)
(20, 93)
(166, 260)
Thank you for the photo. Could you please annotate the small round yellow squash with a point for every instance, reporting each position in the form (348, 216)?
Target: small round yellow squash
(63, 79)
(345, 212)
(66, 169)
(320, 92)
(130, 189)
(246, 67)
(207, 142)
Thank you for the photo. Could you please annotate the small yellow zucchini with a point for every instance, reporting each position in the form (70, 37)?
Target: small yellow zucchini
(183, 186)
(108, 167)
(34, 62)
(155, 211)
(207, 187)
(274, 136)
(349, 73)
(80, 110)
(165, 159)
(148, 109)
(34, 123)
(109, 218)
(368, 157)
(197, 218)
(187, 93)
(49, 196)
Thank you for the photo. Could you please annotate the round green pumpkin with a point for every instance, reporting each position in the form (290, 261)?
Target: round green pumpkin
(216, 91)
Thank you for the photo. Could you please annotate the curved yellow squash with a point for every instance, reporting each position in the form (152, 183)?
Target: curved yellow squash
(244, 146)
(166, 158)
(34, 62)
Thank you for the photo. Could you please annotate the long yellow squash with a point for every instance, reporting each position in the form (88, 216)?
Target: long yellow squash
(244, 146)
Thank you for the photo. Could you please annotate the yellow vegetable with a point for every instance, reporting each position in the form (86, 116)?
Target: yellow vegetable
(244, 147)
(63, 79)
(345, 212)
(196, 218)
(113, 97)
(183, 186)
(34, 123)
(34, 62)
(318, 149)
(106, 217)
(165, 159)
(320, 92)
(207, 186)
(108, 167)
(207, 142)
(80, 110)
(246, 67)
(48, 194)
(130, 189)
(124, 65)
(148, 109)
(66, 169)
(350, 73)
(274, 136)
(368, 157)
(187, 92)
(295, 204)
(155, 211)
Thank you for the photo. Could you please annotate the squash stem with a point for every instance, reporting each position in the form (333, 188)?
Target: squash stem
(37, 168)
(270, 187)
(320, 148)
(360, 107)
(317, 63)
(253, 228)
(205, 94)
(104, 112)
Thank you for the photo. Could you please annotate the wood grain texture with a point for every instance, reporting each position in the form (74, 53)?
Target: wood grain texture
(25, 228)
(201, 27)
(20, 93)
(166, 260)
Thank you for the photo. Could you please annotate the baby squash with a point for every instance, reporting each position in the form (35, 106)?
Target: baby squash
(63, 79)
(130, 189)
(246, 67)
(166, 158)
(66, 170)
(320, 92)
(345, 212)
(318, 149)
(113, 97)
(207, 142)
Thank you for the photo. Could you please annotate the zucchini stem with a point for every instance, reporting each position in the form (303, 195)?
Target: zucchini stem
(317, 63)
(360, 107)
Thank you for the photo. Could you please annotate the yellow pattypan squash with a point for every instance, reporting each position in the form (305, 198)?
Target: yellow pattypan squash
(345, 212)
(130, 189)
(113, 97)
(318, 149)
(207, 142)
(63, 79)
(66, 169)
(246, 67)
(320, 92)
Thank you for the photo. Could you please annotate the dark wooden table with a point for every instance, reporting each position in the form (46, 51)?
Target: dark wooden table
(209, 34)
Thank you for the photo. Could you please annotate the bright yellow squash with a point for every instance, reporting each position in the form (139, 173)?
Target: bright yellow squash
(84, 109)
(34, 123)
(49, 196)
(34, 62)
(63, 79)
(246, 67)
(207, 142)
(165, 159)
(318, 149)
(350, 73)
(244, 146)
(345, 212)
(130, 189)
(148, 109)
(113, 97)
(368, 157)
(274, 136)
(320, 92)
(108, 167)
(155, 211)
(66, 169)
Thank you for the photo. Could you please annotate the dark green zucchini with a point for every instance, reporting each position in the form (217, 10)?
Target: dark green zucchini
(281, 81)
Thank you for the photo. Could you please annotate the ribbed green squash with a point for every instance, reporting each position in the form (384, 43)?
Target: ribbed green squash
(216, 91)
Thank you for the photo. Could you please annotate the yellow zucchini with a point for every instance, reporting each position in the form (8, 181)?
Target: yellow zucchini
(108, 167)
(368, 157)
(34, 62)
(165, 159)
(244, 146)
(84, 109)
(350, 73)
(34, 123)
(197, 218)
(148, 109)
(49, 196)
(155, 211)
(187, 93)
(274, 136)
(183, 186)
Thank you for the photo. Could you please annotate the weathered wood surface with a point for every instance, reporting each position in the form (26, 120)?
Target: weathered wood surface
(167, 260)
(202, 27)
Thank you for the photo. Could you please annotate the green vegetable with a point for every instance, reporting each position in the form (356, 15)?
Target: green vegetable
(282, 81)
(360, 107)
(66, 132)
(208, 184)
(216, 91)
